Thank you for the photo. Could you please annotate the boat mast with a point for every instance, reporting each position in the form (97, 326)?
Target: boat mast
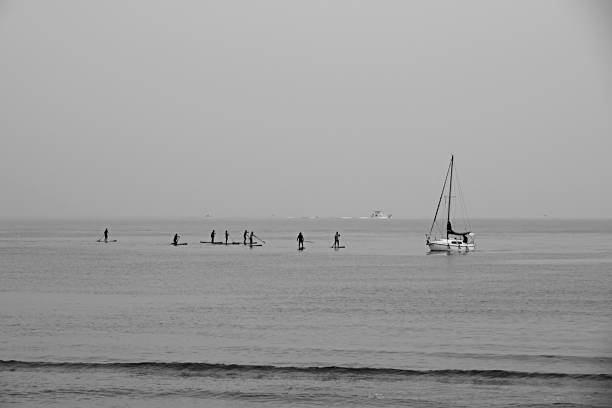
(450, 193)
(440, 200)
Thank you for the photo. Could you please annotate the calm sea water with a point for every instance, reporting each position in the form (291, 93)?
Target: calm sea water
(526, 320)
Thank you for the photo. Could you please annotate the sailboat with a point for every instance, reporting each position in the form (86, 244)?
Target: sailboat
(448, 240)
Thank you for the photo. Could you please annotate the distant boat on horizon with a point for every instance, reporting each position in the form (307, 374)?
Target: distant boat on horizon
(448, 239)
(378, 214)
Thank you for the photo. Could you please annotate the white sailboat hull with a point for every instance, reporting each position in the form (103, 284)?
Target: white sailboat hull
(450, 245)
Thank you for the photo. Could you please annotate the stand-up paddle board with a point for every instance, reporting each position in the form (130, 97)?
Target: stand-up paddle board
(220, 243)
(106, 242)
(180, 243)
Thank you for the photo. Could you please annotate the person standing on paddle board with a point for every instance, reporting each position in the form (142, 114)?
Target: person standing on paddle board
(300, 240)
(336, 240)
(251, 238)
(106, 235)
(244, 236)
(226, 237)
(212, 237)
(175, 240)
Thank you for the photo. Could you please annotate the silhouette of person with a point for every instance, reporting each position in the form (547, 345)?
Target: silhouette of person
(244, 236)
(175, 240)
(336, 240)
(226, 237)
(251, 238)
(106, 235)
(212, 237)
(300, 240)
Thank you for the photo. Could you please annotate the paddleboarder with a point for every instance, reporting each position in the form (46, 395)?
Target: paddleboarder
(175, 240)
(300, 240)
(244, 236)
(226, 236)
(336, 240)
(106, 235)
(212, 237)
(251, 238)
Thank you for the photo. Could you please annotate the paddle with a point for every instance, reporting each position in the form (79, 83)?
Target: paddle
(259, 238)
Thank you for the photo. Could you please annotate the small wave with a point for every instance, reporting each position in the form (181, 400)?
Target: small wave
(526, 357)
(207, 369)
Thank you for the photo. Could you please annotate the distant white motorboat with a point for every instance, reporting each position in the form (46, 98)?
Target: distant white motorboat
(447, 239)
(380, 215)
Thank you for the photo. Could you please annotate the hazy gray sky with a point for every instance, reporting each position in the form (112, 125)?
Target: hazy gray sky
(140, 107)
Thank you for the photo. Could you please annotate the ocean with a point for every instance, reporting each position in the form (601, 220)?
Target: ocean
(523, 321)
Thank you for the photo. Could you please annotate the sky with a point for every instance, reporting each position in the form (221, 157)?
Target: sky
(303, 108)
